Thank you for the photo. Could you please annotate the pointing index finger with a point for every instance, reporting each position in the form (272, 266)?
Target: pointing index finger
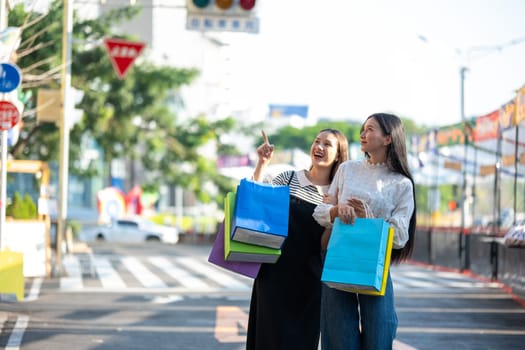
(265, 138)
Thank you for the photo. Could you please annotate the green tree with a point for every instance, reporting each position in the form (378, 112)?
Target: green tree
(129, 118)
(290, 137)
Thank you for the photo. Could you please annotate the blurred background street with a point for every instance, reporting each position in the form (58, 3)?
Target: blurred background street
(130, 120)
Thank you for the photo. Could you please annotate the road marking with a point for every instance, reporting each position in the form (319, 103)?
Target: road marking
(410, 284)
(213, 273)
(444, 330)
(433, 295)
(143, 274)
(15, 340)
(180, 275)
(35, 289)
(405, 281)
(397, 345)
(460, 310)
(166, 299)
(74, 273)
(227, 323)
(107, 274)
(231, 319)
(195, 275)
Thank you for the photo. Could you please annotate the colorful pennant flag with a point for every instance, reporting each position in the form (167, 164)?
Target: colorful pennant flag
(486, 127)
(520, 106)
(506, 115)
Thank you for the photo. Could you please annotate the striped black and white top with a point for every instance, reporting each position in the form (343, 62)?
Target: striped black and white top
(300, 186)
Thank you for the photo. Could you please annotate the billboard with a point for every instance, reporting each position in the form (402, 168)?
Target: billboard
(279, 111)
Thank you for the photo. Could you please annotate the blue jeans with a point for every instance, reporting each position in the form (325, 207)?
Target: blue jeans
(342, 314)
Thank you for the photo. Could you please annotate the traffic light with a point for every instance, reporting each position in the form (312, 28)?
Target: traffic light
(222, 15)
(201, 3)
(221, 7)
(224, 4)
(247, 5)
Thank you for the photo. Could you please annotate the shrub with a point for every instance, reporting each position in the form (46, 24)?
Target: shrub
(22, 208)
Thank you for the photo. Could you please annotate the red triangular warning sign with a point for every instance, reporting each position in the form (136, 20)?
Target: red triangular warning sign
(122, 54)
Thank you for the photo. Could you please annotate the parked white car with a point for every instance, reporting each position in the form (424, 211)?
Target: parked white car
(131, 230)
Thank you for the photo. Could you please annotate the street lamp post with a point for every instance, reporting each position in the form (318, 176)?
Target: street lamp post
(464, 238)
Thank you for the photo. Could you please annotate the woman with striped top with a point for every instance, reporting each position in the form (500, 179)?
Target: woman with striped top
(286, 296)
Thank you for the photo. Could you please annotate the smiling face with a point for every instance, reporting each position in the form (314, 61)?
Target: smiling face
(374, 141)
(325, 149)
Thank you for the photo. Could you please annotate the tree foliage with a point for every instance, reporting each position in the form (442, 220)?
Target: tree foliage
(128, 118)
(290, 137)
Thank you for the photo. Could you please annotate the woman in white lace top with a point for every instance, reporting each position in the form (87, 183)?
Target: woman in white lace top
(379, 186)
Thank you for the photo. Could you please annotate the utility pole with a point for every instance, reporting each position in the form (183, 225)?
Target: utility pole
(64, 125)
(3, 171)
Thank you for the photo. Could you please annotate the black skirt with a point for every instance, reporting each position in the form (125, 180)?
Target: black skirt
(286, 296)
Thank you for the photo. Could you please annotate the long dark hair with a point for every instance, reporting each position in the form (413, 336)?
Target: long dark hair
(397, 160)
(342, 150)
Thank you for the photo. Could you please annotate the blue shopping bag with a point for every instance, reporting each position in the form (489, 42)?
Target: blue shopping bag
(358, 256)
(261, 214)
(239, 251)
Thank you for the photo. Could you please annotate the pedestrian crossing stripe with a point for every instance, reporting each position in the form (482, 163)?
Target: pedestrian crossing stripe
(212, 273)
(182, 276)
(143, 274)
(185, 274)
(98, 272)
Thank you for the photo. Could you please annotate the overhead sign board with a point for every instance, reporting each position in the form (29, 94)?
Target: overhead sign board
(10, 77)
(122, 54)
(225, 24)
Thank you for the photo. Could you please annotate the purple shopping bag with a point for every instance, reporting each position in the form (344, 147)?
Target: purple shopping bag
(249, 269)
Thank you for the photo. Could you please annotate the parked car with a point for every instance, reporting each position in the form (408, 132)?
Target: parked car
(131, 230)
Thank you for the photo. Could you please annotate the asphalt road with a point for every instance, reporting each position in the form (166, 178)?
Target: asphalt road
(156, 296)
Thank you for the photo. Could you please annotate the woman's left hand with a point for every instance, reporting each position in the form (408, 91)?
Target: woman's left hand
(359, 207)
(346, 213)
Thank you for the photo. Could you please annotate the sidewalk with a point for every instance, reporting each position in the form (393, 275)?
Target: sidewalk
(445, 309)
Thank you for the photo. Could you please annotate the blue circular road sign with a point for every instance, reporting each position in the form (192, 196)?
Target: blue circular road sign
(10, 77)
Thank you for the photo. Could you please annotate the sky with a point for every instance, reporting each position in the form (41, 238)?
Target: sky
(347, 59)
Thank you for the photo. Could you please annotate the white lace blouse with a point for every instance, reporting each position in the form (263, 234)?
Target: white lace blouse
(388, 194)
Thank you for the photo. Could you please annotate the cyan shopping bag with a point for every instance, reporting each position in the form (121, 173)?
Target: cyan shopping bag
(261, 214)
(249, 269)
(358, 256)
(239, 251)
